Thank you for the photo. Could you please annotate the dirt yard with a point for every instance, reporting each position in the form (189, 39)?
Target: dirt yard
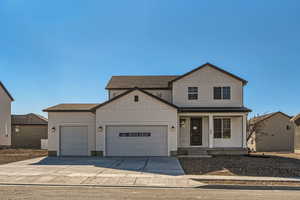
(13, 155)
(269, 164)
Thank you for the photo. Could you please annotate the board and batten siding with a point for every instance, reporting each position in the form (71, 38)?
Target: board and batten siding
(58, 119)
(5, 119)
(206, 79)
(147, 111)
(28, 136)
(163, 94)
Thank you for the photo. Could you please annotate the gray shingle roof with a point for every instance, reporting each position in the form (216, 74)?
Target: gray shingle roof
(143, 82)
(29, 119)
(296, 119)
(131, 90)
(156, 82)
(260, 118)
(71, 108)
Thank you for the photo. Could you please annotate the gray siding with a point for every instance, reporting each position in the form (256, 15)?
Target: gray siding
(274, 135)
(29, 136)
(297, 139)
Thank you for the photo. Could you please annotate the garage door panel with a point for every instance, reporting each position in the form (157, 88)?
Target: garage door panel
(73, 141)
(136, 141)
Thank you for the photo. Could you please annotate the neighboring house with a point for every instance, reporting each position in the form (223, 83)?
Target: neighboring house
(296, 121)
(273, 132)
(28, 130)
(5, 111)
(199, 112)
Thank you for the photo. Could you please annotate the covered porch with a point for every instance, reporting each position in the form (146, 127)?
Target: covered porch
(212, 133)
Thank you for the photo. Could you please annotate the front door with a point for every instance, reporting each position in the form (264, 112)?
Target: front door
(196, 131)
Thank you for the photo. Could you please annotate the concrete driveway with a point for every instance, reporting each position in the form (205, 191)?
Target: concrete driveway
(152, 171)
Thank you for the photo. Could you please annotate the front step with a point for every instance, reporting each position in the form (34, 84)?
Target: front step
(194, 156)
(192, 151)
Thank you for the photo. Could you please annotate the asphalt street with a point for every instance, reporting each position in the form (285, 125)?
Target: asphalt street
(136, 193)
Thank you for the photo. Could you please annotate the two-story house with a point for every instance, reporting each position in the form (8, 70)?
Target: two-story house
(199, 112)
(5, 116)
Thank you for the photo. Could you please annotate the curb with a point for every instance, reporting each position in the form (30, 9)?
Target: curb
(248, 180)
(94, 185)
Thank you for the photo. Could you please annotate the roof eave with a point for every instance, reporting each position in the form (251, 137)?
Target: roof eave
(68, 110)
(149, 88)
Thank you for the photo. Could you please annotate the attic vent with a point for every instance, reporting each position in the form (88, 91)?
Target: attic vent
(136, 98)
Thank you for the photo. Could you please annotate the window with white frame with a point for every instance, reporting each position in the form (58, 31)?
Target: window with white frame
(222, 128)
(222, 93)
(192, 93)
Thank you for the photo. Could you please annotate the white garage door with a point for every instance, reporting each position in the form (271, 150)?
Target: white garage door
(136, 141)
(74, 141)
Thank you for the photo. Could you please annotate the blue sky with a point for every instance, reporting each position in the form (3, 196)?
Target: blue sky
(65, 51)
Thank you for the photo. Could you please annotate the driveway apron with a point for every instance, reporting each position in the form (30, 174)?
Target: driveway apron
(140, 171)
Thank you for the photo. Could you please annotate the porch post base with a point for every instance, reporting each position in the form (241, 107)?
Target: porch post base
(52, 153)
(173, 153)
(97, 153)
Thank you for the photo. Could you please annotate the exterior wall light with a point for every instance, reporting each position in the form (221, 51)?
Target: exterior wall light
(182, 123)
(100, 129)
(172, 127)
(17, 129)
(53, 129)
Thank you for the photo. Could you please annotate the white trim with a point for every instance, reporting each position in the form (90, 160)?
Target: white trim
(223, 117)
(244, 134)
(201, 131)
(211, 131)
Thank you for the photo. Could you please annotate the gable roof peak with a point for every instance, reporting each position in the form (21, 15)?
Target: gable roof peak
(213, 66)
(29, 119)
(131, 90)
(6, 91)
(263, 117)
(296, 119)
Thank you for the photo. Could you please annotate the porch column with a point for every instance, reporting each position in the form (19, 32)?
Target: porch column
(244, 130)
(211, 131)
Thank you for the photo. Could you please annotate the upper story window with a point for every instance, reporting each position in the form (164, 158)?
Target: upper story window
(192, 93)
(136, 98)
(222, 93)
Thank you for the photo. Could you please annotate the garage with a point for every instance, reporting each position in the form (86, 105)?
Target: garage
(74, 141)
(136, 141)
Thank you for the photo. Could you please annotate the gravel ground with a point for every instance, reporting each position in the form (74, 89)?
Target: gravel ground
(272, 164)
(13, 155)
